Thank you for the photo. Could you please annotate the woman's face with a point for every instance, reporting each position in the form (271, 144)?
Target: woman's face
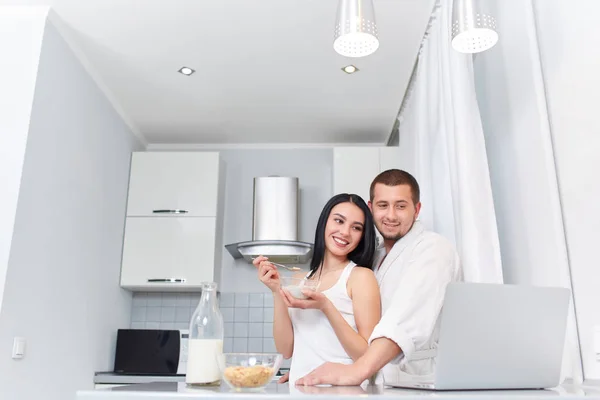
(344, 229)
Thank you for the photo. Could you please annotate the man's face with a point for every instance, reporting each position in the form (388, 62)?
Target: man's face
(393, 210)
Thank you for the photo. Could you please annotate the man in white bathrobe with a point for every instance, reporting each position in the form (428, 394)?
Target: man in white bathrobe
(413, 268)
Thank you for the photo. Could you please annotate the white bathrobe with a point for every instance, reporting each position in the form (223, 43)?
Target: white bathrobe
(412, 280)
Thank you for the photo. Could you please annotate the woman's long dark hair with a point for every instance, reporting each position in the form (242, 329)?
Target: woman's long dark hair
(363, 253)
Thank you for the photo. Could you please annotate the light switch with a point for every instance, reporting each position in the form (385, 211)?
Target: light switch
(18, 348)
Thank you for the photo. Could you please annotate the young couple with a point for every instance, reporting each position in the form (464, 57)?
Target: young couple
(375, 309)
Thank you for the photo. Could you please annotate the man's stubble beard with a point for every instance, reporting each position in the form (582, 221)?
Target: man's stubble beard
(396, 237)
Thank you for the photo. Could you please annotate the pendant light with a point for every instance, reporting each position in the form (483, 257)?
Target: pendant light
(473, 28)
(355, 29)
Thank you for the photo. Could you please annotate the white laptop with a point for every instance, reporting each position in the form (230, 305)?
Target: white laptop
(495, 336)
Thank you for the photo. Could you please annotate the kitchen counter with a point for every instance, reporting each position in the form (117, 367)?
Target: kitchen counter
(111, 378)
(179, 391)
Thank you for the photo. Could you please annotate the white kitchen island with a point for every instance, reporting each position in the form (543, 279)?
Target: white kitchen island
(179, 391)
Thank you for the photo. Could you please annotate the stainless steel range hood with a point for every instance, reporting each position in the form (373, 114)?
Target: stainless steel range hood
(274, 224)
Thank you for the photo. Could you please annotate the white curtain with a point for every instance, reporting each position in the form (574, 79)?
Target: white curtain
(572, 367)
(442, 145)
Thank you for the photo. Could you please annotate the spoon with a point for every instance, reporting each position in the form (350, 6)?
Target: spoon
(284, 266)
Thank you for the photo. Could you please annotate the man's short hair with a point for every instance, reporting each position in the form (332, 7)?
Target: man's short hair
(395, 177)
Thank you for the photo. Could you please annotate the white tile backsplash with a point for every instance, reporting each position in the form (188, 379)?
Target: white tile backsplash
(240, 329)
(138, 314)
(248, 317)
(255, 330)
(195, 299)
(228, 329)
(228, 345)
(269, 345)
(255, 300)
(139, 300)
(268, 314)
(255, 345)
(153, 314)
(183, 314)
(268, 300)
(228, 315)
(227, 300)
(240, 345)
(182, 325)
(268, 330)
(241, 314)
(183, 300)
(256, 315)
(168, 301)
(242, 300)
(154, 299)
(167, 314)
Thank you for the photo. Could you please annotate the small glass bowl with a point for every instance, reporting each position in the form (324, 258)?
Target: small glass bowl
(295, 286)
(249, 371)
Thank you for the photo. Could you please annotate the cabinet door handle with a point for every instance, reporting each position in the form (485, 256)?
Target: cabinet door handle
(167, 280)
(170, 211)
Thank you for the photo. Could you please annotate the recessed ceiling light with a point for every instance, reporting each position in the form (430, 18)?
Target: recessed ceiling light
(186, 71)
(350, 69)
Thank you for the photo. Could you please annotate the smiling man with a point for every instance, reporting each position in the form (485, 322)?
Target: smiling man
(413, 268)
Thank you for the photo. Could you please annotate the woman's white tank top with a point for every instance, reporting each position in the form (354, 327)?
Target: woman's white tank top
(315, 341)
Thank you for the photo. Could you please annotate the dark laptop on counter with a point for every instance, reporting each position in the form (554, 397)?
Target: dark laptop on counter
(495, 336)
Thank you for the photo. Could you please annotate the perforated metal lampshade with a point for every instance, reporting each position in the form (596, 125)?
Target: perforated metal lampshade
(473, 27)
(355, 29)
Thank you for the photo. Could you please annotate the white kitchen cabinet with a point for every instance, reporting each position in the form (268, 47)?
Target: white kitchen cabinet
(165, 250)
(354, 168)
(162, 183)
(177, 252)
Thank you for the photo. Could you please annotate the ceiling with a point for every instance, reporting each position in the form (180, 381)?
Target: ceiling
(266, 71)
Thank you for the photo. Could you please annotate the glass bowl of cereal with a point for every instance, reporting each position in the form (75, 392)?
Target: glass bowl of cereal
(295, 286)
(249, 371)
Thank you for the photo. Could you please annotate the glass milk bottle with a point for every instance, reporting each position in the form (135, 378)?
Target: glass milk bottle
(205, 342)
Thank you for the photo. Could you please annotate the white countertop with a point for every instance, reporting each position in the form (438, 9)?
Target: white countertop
(111, 378)
(178, 391)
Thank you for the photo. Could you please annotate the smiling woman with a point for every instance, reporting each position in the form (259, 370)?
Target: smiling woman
(333, 322)
(344, 231)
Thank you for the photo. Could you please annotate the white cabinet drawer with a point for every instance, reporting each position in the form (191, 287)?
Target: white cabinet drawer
(162, 182)
(157, 250)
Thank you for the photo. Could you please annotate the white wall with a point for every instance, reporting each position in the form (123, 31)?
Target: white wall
(21, 32)
(572, 75)
(62, 287)
(512, 100)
